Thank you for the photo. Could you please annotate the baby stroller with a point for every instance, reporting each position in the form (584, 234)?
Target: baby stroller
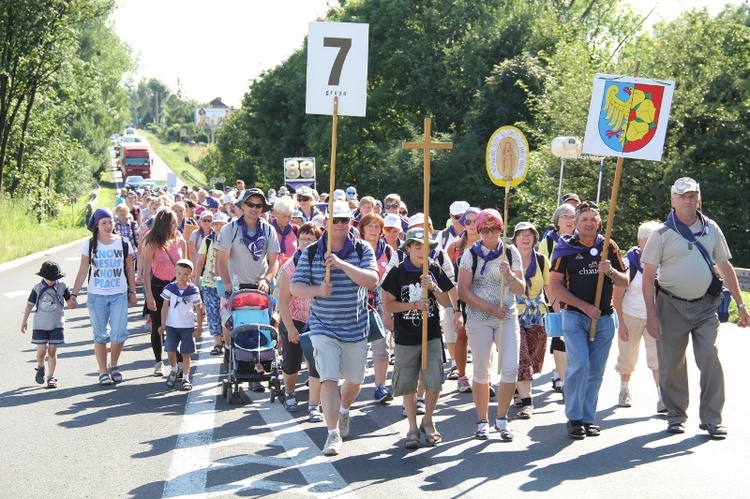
(252, 348)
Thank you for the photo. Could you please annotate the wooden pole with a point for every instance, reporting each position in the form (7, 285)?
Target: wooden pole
(332, 183)
(427, 146)
(608, 231)
(502, 276)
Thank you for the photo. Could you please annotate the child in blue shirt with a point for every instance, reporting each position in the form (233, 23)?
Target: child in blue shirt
(48, 296)
(180, 298)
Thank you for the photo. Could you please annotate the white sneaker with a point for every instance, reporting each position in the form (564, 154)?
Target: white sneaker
(625, 400)
(463, 384)
(159, 369)
(343, 425)
(333, 445)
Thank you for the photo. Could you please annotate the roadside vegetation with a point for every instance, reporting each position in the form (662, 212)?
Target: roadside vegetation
(175, 154)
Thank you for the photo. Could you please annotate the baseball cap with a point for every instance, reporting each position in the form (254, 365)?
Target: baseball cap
(297, 214)
(392, 220)
(282, 191)
(304, 191)
(459, 207)
(339, 194)
(417, 235)
(219, 217)
(229, 198)
(206, 214)
(685, 184)
(417, 219)
(211, 202)
(186, 262)
(351, 192)
(341, 210)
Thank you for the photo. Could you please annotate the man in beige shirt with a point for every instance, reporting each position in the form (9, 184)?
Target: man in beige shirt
(681, 305)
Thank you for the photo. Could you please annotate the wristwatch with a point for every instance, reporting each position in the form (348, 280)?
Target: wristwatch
(611, 273)
(741, 305)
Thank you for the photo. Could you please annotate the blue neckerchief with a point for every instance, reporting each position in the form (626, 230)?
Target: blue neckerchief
(492, 255)
(566, 246)
(531, 271)
(297, 254)
(410, 267)
(182, 294)
(181, 227)
(343, 253)
(45, 288)
(554, 236)
(380, 248)
(634, 258)
(282, 234)
(255, 243)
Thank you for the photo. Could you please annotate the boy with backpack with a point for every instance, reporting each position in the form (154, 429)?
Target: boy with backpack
(180, 298)
(48, 296)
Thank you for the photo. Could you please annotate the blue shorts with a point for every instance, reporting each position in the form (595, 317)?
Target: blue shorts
(109, 317)
(43, 336)
(182, 336)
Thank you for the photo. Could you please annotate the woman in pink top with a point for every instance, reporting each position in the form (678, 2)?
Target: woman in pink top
(163, 247)
(294, 313)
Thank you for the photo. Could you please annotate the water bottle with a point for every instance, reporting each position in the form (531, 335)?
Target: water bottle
(235, 283)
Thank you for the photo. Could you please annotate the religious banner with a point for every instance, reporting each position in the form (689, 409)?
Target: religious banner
(628, 117)
(507, 156)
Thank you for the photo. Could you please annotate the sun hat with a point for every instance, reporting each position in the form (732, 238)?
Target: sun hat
(418, 218)
(525, 226)
(339, 194)
(51, 271)
(305, 191)
(219, 217)
(254, 192)
(97, 216)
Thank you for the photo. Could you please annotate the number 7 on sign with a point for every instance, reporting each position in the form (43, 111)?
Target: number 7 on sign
(338, 73)
(344, 44)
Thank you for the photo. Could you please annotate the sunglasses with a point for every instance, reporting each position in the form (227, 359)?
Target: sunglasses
(206, 220)
(340, 220)
(404, 213)
(391, 206)
(254, 205)
(303, 198)
(456, 217)
(494, 230)
(470, 222)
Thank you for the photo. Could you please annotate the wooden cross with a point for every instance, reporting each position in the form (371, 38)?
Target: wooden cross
(427, 146)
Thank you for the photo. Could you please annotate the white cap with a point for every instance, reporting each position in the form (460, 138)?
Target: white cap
(320, 221)
(459, 207)
(185, 261)
(685, 184)
(341, 209)
(417, 219)
(339, 194)
(392, 220)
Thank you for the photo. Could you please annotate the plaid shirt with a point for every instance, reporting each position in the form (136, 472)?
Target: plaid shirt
(128, 230)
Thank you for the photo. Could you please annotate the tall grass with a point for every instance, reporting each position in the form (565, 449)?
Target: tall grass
(23, 235)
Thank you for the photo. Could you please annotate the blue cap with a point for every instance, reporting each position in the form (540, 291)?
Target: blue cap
(211, 202)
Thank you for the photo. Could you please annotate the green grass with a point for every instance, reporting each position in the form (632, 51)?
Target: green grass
(23, 235)
(174, 155)
(734, 316)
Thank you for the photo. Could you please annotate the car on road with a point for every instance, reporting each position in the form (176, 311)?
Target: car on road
(134, 182)
(147, 184)
(130, 131)
(115, 138)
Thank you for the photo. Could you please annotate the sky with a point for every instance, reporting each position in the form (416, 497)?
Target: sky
(215, 48)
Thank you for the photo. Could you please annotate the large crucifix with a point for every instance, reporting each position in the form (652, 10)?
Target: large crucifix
(427, 146)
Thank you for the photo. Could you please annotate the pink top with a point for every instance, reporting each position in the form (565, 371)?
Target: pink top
(299, 308)
(161, 265)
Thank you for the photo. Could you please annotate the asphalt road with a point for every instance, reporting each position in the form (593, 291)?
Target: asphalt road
(140, 439)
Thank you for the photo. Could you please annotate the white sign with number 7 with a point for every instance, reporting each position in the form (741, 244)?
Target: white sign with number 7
(337, 67)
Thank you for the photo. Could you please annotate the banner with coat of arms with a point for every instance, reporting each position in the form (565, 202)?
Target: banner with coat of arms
(628, 117)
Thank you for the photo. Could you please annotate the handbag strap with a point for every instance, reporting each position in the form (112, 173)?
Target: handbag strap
(688, 235)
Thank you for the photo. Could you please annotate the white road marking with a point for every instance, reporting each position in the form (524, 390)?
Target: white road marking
(191, 459)
(14, 294)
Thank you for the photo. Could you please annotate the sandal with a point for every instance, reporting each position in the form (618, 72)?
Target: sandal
(576, 431)
(105, 379)
(314, 415)
(186, 385)
(290, 402)
(506, 434)
(483, 430)
(676, 427)
(592, 430)
(433, 437)
(39, 378)
(51, 382)
(115, 374)
(217, 350)
(412, 440)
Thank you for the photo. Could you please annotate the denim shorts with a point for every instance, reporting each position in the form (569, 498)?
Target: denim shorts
(43, 336)
(182, 336)
(109, 317)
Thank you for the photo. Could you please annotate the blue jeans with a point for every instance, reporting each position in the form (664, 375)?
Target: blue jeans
(109, 317)
(586, 363)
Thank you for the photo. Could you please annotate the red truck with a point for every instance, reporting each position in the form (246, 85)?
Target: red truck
(135, 160)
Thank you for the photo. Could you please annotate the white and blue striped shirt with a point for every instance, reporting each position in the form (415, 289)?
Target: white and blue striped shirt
(343, 315)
